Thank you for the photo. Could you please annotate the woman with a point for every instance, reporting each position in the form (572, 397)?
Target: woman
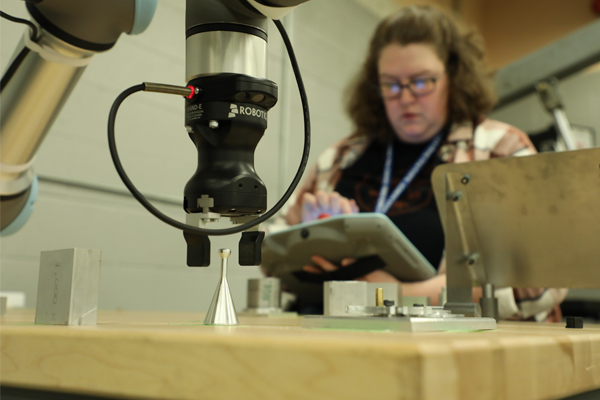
(419, 101)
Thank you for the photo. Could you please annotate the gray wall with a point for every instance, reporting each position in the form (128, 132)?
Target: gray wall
(79, 204)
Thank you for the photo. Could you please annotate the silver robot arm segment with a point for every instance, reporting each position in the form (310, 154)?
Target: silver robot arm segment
(42, 74)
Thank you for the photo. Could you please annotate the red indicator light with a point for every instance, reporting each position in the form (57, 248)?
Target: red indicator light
(189, 96)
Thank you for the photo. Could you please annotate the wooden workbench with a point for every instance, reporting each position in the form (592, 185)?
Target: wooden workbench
(173, 356)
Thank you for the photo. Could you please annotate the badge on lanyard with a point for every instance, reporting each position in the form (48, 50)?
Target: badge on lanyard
(385, 202)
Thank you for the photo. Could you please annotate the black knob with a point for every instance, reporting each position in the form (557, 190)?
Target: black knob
(574, 322)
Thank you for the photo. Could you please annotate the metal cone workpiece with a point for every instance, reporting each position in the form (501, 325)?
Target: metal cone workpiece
(222, 310)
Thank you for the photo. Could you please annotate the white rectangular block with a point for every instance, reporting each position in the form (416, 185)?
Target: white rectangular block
(14, 299)
(68, 287)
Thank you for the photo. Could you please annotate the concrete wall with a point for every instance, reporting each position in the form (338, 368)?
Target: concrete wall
(82, 202)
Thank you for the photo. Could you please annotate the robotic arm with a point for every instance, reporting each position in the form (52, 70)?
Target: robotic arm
(226, 115)
(227, 101)
(226, 106)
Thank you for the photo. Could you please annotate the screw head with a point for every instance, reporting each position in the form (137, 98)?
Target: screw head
(213, 124)
(472, 259)
(454, 196)
(465, 179)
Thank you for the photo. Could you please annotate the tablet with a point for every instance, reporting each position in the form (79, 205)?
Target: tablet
(370, 237)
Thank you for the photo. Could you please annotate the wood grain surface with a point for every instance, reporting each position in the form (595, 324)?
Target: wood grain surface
(173, 356)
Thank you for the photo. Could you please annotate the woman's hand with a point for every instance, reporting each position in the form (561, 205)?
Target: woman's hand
(325, 265)
(322, 204)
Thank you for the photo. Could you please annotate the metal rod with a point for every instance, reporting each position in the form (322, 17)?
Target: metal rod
(224, 253)
(489, 303)
(488, 291)
(379, 297)
(564, 128)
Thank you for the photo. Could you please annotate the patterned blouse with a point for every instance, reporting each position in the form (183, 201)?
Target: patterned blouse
(489, 139)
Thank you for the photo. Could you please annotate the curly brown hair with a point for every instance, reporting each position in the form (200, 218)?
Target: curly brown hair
(471, 90)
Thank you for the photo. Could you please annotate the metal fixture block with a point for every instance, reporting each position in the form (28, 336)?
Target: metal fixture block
(264, 296)
(339, 294)
(68, 287)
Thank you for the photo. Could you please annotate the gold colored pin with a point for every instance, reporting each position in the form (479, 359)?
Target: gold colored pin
(379, 297)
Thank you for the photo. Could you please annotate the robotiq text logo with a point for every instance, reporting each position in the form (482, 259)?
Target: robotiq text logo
(251, 111)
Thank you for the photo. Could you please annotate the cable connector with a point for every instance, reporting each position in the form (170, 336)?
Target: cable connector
(168, 89)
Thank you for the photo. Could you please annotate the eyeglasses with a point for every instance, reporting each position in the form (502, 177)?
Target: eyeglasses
(418, 87)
